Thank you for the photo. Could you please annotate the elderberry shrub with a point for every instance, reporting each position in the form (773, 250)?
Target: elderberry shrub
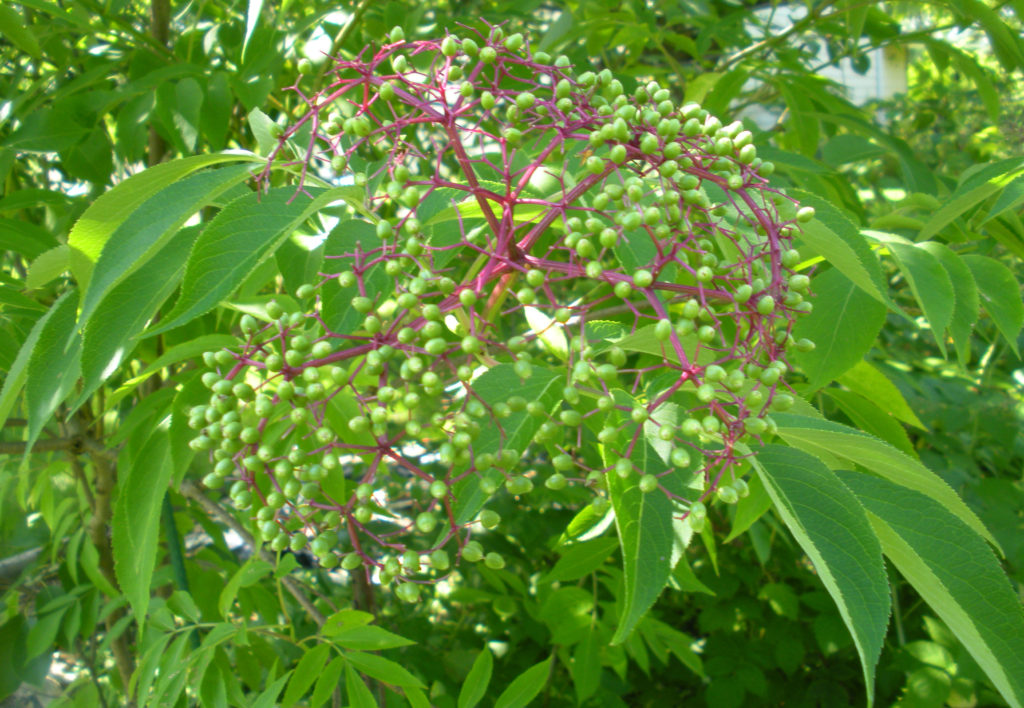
(541, 272)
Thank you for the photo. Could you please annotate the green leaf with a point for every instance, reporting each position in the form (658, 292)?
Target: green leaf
(18, 373)
(475, 686)
(832, 528)
(136, 521)
(216, 115)
(525, 687)
(843, 325)
(750, 508)
(48, 130)
(1001, 294)
(25, 238)
(14, 27)
(35, 197)
(252, 17)
(383, 669)
(249, 573)
(718, 99)
(268, 699)
(645, 340)
(327, 682)
(345, 619)
(580, 559)
(179, 352)
(929, 281)
(1004, 41)
(417, 698)
(847, 147)
(146, 668)
(48, 266)
(151, 226)
(368, 638)
(833, 236)
(647, 536)
(966, 302)
(187, 110)
(306, 671)
(867, 415)
(53, 367)
(868, 381)
(359, 696)
(110, 336)
(516, 432)
(979, 76)
(263, 128)
(240, 237)
(822, 436)
(965, 199)
(954, 571)
(586, 666)
(792, 160)
(550, 334)
(99, 222)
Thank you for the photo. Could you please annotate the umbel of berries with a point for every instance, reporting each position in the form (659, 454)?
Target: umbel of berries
(542, 280)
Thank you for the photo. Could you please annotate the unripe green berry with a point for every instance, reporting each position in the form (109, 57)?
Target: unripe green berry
(408, 592)
(643, 278)
(438, 489)
(472, 552)
(439, 560)
(727, 494)
(519, 485)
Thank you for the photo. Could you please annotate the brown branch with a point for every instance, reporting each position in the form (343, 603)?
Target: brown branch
(73, 445)
(189, 490)
(11, 567)
(160, 28)
(99, 523)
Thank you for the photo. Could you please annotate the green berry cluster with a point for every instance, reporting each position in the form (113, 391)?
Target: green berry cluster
(547, 279)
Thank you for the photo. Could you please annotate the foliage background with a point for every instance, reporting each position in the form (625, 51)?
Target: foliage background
(93, 92)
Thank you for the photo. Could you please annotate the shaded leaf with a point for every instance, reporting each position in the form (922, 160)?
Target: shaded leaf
(859, 448)
(312, 663)
(475, 686)
(136, 522)
(48, 266)
(99, 222)
(123, 314)
(955, 572)
(240, 237)
(832, 528)
(647, 537)
(525, 687)
(843, 325)
(54, 365)
(150, 227)
(1001, 294)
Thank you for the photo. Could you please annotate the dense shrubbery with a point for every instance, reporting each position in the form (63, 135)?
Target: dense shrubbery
(511, 326)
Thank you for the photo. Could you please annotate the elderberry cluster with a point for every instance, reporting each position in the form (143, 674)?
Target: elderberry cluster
(543, 279)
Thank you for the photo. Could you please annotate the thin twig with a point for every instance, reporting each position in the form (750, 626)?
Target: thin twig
(54, 445)
(342, 37)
